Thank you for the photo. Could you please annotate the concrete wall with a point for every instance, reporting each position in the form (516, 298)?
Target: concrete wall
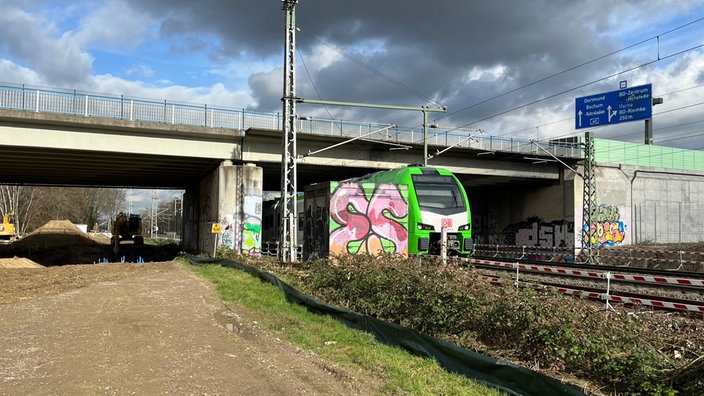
(524, 215)
(640, 204)
(611, 220)
(667, 205)
(230, 196)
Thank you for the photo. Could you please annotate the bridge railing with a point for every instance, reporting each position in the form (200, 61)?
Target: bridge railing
(73, 102)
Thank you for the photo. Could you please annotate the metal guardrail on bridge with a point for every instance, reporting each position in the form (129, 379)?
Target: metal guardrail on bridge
(73, 102)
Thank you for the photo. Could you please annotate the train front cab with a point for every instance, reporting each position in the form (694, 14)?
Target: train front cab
(439, 201)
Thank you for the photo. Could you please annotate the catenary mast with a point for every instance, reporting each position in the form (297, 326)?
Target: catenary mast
(288, 243)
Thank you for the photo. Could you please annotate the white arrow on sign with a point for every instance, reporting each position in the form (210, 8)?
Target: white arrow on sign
(610, 114)
(579, 113)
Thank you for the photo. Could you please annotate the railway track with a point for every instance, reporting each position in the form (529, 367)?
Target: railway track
(656, 288)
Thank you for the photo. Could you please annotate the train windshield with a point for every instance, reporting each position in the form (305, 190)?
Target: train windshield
(437, 192)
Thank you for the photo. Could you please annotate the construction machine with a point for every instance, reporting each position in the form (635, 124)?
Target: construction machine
(126, 227)
(7, 227)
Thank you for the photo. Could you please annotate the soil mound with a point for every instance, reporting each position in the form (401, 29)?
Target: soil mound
(60, 242)
(55, 234)
(58, 227)
(18, 262)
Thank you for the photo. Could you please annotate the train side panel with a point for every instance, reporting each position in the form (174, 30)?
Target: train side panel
(355, 218)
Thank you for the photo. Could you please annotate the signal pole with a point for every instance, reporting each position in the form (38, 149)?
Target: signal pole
(288, 245)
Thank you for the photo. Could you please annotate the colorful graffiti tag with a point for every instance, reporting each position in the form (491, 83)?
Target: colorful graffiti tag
(368, 218)
(227, 235)
(530, 232)
(243, 229)
(606, 228)
(252, 226)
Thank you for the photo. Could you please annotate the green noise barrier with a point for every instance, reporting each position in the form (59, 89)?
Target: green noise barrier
(503, 375)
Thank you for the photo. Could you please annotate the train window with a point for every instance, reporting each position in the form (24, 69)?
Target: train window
(438, 194)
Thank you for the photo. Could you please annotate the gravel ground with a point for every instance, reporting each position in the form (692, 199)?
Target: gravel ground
(156, 328)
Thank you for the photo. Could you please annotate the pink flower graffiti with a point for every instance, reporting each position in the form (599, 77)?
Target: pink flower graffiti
(365, 221)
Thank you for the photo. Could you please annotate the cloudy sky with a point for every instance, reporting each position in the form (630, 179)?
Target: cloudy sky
(510, 68)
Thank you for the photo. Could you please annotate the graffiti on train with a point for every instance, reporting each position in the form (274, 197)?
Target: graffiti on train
(606, 228)
(368, 218)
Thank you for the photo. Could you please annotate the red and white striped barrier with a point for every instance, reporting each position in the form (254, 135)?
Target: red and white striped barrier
(608, 297)
(656, 303)
(592, 274)
(660, 280)
(540, 268)
(624, 251)
(628, 300)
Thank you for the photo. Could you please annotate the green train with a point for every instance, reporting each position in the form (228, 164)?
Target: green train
(436, 199)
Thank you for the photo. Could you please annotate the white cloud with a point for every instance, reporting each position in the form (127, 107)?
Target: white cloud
(114, 24)
(140, 70)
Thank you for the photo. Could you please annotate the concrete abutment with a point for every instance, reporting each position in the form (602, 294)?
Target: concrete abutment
(230, 198)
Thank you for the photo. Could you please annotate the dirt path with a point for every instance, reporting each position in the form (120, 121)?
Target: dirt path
(121, 329)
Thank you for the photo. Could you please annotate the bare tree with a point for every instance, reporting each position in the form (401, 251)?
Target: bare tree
(111, 202)
(34, 206)
(21, 201)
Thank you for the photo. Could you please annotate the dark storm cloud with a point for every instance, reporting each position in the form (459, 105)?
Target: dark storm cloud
(426, 50)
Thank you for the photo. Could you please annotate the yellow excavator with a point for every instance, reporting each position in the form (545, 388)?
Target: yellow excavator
(7, 228)
(126, 227)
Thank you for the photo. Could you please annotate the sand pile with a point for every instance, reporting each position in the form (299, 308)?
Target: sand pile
(55, 234)
(18, 262)
(58, 227)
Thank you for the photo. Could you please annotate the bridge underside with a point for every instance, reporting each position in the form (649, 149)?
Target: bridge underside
(360, 157)
(50, 166)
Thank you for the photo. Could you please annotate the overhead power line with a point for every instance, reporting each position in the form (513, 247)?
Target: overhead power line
(377, 72)
(656, 37)
(582, 85)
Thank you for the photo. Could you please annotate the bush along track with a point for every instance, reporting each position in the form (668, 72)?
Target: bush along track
(628, 350)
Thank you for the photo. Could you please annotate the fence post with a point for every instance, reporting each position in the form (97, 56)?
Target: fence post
(86, 109)
(608, 290)
(37, 104)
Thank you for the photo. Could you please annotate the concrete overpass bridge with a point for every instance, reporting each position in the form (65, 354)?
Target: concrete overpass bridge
(65, 137)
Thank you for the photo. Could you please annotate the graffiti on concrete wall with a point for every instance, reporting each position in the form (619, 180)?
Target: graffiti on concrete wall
(252, 225)
(535, 232)
(242, 230)
(227, 233)
(530, 232)
(368, 218)
(606, 228)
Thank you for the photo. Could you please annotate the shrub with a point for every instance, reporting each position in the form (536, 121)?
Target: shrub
(615, 350)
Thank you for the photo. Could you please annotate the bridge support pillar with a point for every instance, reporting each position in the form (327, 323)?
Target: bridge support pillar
(230, 196)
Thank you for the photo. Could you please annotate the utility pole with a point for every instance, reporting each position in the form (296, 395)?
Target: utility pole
(288, 244)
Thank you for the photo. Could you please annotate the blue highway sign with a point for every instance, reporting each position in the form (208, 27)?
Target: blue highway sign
(629, 104)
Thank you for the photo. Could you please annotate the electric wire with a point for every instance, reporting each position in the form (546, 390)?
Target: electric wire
(418, 94)
(312, 83)
(377, 72)
(584, 85)
(573, 68)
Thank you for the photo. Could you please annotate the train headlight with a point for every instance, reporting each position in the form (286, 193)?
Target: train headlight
(465, 227)
(425, 227)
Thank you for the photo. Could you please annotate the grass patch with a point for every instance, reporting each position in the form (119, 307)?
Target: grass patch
(398, 371)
